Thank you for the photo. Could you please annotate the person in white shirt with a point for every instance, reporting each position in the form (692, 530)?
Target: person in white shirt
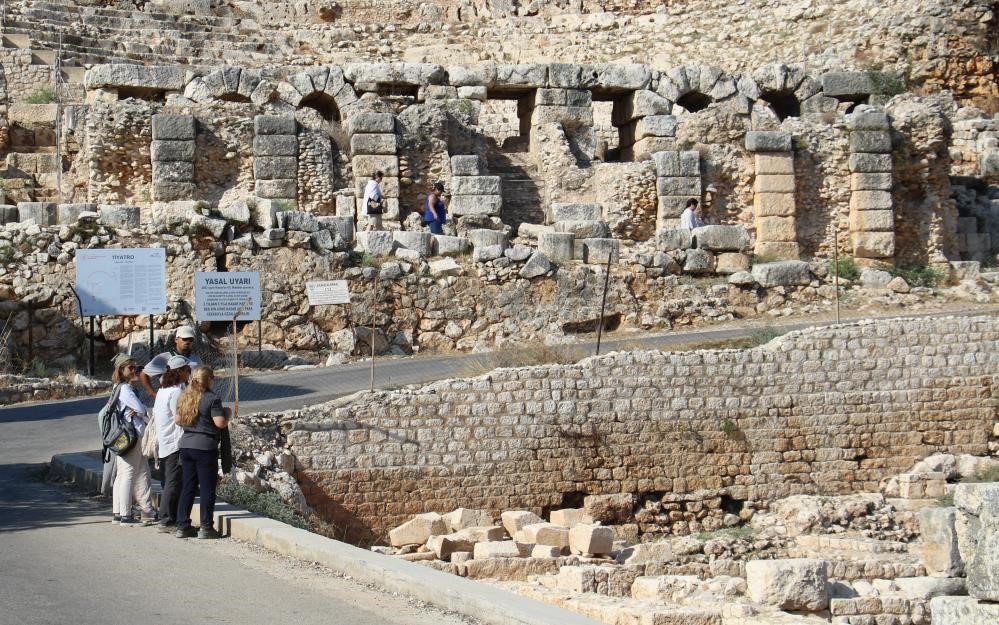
(168, 435)
(690, 219)
(373, 194)
(132, 468)
(183, 340)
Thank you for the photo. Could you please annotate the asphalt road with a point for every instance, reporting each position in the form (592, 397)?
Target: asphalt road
(62, 561)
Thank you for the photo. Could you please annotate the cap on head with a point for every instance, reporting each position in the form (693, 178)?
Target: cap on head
(185, 332)
(120, 359)
(177, 362)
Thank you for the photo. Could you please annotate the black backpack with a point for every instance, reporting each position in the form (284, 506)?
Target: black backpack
(118, 435)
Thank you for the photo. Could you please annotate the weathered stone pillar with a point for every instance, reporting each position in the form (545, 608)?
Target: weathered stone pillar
(773, 202)
(473, 192)
(679, 179)
(573, 109)
(275, 157)
(872, 215)
(648, 135)
(173, 157)
(373, 148)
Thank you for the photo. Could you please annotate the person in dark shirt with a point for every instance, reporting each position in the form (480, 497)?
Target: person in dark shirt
(201, 415)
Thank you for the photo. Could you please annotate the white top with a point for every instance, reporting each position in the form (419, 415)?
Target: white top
(158, 365)
(689, 220)
(372, 191)
(168, 433)
(134, 409)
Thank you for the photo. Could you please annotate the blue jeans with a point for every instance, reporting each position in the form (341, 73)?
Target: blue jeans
(200, 468)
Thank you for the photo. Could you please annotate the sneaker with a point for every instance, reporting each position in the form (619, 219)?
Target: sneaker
(208, 533)
(186, 532)
(116, 519)
(129, 521)
(167, 528)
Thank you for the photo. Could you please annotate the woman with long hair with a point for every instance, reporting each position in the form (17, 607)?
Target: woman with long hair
(202, 417)
(172, 382)
(131, 480)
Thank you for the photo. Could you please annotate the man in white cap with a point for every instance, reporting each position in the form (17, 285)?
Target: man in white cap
(183, 346)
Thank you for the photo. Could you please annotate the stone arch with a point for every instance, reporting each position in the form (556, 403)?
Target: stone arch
(229, 84)
(695, 87)
(785, 89)
(322, 89)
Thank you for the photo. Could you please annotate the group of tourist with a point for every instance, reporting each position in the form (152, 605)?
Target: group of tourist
(188, 420)
(373, 205)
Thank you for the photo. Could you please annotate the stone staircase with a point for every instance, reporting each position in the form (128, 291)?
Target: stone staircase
(522, 189)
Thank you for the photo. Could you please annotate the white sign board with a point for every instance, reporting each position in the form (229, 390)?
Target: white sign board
(121, 281)
(327, 292)
(219, 295)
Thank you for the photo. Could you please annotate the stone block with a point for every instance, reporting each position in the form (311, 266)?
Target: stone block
(215, 227)
(299, 221)
(699, 261)
(466, 165)
(377, 243)
(269, 238)
(39, 213)
(870, 182)
(496, 549)
(237, 211)
(153, 78)
(774, 163)
(119, 216)
(871, 201)
(644, 149)
(872, 220)
(483, 237)
(516, 520)
(473, 92)
(796, 584)
(782, 273)
(8, 214)
(592, 229)
(688, 186)
(571, 117)
(768, 141)
(537, 265)
(638, 104)
(925, 588)
(451, 246)
(685, 163)
(467, 517)
(671, 206)
(543, 534)
(445, 267)
(322, 240)
(172, 150)
(731, 262)
(166, 191)
(774, 183)
(576, 212)
(274, 125)
(963, 611)
(656, 126)
(609, 509)
(848, 85)
(876, 279)
(938, 538)
(342, 225)
(867, 118)
(977, 527)
(263, 213)
(668, 240)
(599, 251)
(420, 528)
(864, 163)
(646, 553)
(475, 185)
(174, 127)
(371, 123)
(520, 75)
(444, 546)
(173, 171)
(570, 517)
(70, 213)
(873, 244)
(591, 540)
(872, 141)
(275, 167)
(275, 145)
(420, 242)
(721, 238)
(345, 205)
(558, 247)
(545, 551)
(373, 144)
(777, 249)
(774, 205)
(367, 164)
(781, 229)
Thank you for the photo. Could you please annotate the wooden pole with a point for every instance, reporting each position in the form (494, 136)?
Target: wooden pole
(836, 265)
(603, 303)
(372, 337)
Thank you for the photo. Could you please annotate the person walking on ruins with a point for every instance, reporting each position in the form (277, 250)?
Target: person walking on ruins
(690, 218)
(372, 206)
(131, 482)
(435, 209)
(201, 415)
(169, 433)
(183, 346)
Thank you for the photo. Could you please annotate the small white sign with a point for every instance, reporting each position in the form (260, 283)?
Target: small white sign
(121, 281)
(327, 292)
(219, 295)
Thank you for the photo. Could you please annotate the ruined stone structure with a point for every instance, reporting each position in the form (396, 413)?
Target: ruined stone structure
(821, 412)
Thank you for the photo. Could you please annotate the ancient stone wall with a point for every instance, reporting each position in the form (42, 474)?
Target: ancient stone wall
(825, 411)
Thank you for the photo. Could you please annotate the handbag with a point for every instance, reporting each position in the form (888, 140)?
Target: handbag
(374, 207)
(150, 441)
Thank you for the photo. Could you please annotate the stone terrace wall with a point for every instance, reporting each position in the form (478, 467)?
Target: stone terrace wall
(826, 411)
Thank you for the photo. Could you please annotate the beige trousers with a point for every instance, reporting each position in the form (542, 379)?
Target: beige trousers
(131, 482)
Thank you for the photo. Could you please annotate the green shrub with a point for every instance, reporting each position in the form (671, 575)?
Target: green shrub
(990, 474)
(762, 336)
(45, 95)
(735, 533)
(920, 275)
(370, 261)
(269, 505)
(845, 268)
(759, 259)
(729, 428)
(533, 354)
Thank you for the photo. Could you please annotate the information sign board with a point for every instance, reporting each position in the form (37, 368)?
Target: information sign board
(327, 292)
(219, 295)
(121, 281)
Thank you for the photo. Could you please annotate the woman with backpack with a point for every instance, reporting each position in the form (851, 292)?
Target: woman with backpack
(172, 382)
(132, 469)
(201, 415)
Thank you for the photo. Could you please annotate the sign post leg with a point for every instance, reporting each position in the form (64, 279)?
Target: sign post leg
(151, 334)
(260, 336)
(372, 352)
(92, 363)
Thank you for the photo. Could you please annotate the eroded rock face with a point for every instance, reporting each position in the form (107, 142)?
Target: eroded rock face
(977, 526)
(939, 542)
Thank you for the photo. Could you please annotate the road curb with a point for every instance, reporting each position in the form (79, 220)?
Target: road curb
(488, 604)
